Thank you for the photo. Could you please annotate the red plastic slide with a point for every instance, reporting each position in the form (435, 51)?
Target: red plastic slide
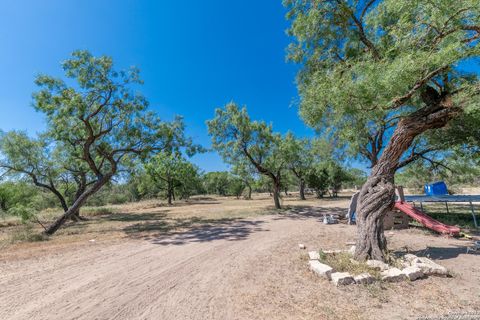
(426, 220)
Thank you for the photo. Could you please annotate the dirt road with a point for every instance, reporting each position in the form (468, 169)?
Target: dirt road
(247, 269)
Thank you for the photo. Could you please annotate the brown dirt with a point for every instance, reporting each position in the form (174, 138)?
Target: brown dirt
(219, 259)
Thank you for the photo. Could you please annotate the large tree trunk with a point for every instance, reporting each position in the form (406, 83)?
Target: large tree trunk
(169, 196)
(377, 194)
(81, 187)
(276, 195)
(302, 189)
(77, 205)
(249, 194)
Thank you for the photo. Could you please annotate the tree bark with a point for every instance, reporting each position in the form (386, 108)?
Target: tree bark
(302, 189)
(169, 195)
(276, 195)
(77, 205)
(249, 194)
(377, 194)
(81, 187)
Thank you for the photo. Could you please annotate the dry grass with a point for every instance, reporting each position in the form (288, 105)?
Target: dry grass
(343, 262)
(142, 219)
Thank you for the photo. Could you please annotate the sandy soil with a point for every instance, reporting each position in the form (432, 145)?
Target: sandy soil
(242, 268)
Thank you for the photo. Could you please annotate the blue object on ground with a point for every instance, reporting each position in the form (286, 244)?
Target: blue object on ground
(436, 189)
(353, 218)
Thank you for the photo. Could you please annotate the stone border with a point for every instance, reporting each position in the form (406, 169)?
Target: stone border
(414, 268)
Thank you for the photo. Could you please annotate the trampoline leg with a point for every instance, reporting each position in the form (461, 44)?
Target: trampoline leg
(446, 205)
(421, 206)
(473, 215)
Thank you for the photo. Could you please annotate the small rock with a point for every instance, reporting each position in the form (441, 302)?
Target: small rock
(429, 267)
(413, 273)
(332, 251)
(314, 255)
(393, 275)
(302, 246)
(410, 257)
(93, 240)
(342, 278)
(320, 269)
(352, 250)
(377, 264)
(364, 278)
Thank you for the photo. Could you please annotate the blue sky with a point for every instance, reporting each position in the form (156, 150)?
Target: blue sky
(194, 56)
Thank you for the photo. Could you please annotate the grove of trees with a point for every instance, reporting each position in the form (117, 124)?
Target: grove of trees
(95, 129)
(380, 82)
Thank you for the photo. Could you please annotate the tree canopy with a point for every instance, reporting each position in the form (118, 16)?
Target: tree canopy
(96, 122)
(237, 138)
(365, 63)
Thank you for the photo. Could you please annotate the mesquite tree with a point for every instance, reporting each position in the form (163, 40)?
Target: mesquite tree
(300, 159)
(171, 173)
(245, 172)
(46, 165)
(376, 57)
(237, 138)
(100, 122)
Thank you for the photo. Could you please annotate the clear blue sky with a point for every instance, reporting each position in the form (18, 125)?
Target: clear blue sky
(194, 56)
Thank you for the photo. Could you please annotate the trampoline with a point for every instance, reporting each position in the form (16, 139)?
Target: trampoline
(446, 199)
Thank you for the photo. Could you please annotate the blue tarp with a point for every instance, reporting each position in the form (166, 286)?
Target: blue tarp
(436, 189)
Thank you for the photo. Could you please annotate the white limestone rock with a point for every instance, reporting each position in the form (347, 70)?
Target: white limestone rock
(393, 275)
(413, 273)
(364, 278)
(351, 251)
(378, 265)
(314, 255)
(332, 251)
(429, 267)
(302, 246)
(410, 257)
(342, 278)
(320, 269)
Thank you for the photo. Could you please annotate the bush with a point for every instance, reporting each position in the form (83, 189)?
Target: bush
(25, 212)
(27, 234)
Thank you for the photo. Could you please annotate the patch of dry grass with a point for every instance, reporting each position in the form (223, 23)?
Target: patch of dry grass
(154, 216)
(343, 262)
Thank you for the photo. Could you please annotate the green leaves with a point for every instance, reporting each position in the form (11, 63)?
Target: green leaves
(366, 64)
(171, 172)
(237, 138)
(97, 125)
(412, 39)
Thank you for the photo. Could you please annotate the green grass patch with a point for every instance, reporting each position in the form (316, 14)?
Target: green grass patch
(458, 215)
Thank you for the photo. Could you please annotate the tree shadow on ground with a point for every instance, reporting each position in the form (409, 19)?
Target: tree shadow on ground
(195, 229)
(182, 203)
(308, 212)
(441, 253)
(132, 217)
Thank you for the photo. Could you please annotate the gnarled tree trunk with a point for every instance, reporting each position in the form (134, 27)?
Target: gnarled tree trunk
(276, 195)
(249, 194)
(77, 205)
(377, 194)
(302, 189)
